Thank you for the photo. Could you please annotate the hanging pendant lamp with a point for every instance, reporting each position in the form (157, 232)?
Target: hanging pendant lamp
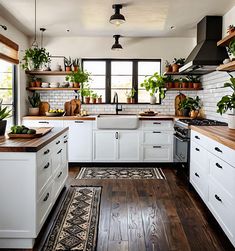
(116, 46)
(42, 31)
(35, 43)
(117, 18)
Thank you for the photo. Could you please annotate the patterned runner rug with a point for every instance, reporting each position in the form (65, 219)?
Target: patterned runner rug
(76, 225)
(120, 173)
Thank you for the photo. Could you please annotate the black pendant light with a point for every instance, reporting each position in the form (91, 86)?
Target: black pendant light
(116, 46)
(117, 18)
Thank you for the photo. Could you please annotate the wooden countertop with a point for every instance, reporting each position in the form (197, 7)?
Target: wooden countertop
(29, 145)
(221, 134)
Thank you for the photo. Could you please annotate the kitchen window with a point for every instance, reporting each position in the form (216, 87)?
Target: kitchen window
(7, 88)
(121, 75)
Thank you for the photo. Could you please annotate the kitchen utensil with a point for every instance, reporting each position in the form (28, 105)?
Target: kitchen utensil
(43, 108)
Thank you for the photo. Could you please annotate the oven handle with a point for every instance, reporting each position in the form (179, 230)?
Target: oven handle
(180, 139)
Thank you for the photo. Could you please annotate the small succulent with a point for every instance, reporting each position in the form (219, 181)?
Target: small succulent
(76, 62)
(35, 99)
(68, 62)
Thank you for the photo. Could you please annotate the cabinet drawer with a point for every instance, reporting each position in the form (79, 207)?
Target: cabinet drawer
(199, 138)
(57, 158)
(59, 179)
(43, 123)
(157, 153)
(44, 173)
(223, 173)
(157, 124)
(157, 137)
(43, 206)
(44, 154)
(222, 207)
(198, 154)
(198, 178)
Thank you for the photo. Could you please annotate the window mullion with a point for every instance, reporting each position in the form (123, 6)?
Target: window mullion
(108, 81)
(135, 79)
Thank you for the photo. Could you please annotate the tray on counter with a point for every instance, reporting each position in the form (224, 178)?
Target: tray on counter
(40, 131)
(148, 114)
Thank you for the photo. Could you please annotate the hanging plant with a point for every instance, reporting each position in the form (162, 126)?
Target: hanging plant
(35, 59)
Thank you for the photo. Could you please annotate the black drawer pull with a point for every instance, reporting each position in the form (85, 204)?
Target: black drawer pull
(47, 165)
(196, 137)
(157, 123)
(43, 122)
(57, 142)
(197, 149)
(79, 121)
(157, 147)
(47, 151)
(156, 132)
(65, 141)
(218, 150)
(196, 174)
(219, 166)
(218, 198)
(59, 151)
(65, 136)
(46, 197)
(59, 174)
(116, 135)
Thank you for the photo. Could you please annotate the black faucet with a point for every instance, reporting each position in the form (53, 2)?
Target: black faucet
(115, 100)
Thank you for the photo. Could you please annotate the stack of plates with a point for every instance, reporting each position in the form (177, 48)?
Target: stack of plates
(54, 85)
(45, 85)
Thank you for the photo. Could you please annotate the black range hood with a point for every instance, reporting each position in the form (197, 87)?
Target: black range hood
(206, 56)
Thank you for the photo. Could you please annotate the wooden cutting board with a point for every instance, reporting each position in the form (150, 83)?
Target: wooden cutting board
(75, 106)
(43, 108)
(40, 131)
(178, 99)
(67, 108)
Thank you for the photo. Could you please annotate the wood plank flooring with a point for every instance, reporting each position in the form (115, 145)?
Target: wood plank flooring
(151, 215)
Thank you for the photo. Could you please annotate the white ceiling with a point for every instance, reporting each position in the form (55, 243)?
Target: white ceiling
(144, 18)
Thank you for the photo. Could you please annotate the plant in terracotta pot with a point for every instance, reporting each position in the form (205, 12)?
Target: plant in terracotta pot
(195, 80)
(195, 107)
(130, 96)
(227, 102)
(85, 92)
(32, 81)
(34, 101)
(176, 83)
(230, 29)
(177, 63)
(76, 64)
(94, 97)
(168, 81)
(168, 66)
(4, 114)
(184, 82)
(190, 104)
(68, 63)
(154, 84)
(38, 82)
(35, 59)
(99, 100)
(78, 77)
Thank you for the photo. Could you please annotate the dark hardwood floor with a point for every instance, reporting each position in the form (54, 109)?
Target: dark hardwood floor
(157, 215)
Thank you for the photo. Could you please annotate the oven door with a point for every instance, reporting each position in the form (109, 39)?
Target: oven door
(181, 147)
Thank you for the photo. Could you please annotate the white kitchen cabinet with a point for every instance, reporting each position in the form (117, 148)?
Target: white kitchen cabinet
(42, 123)
(35, 183)
(117, 146)
(80, 140)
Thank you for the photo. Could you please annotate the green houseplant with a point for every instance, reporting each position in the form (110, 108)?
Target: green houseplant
(78, 77)
(130, 96)
(154, 84)
(177, 63)
(227, 102)
(35, 59)
(189, 104)
(67, 63)
(231, 48)
(4, 114)
(34, 101)
(76, 64)
(85, 92)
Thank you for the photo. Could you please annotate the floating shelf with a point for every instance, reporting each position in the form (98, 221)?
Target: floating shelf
(225, 41)
(180, 74)
(184, 89)
(227, 67)
(48, 73)
(52, 89)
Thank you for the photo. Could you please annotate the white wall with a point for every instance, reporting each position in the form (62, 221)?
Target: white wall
(229, 18)
(23, 42)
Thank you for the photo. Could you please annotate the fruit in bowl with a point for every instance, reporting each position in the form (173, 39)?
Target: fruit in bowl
(55, 112)
(17, 129)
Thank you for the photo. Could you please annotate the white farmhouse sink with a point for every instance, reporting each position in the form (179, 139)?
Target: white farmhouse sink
(120, 121)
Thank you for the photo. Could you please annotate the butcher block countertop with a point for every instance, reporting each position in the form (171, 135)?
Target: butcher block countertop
(221, 134)
(29, 145)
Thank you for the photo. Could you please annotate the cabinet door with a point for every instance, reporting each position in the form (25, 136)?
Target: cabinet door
(128, 146)
(43, 123)
(80, 140)
(105, 145)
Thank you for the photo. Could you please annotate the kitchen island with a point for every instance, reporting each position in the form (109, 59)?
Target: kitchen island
(33, 173)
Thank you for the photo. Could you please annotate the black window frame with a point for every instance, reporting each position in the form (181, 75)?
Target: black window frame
(108, 75)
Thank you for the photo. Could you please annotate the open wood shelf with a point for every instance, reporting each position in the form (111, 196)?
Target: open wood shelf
(174, 74)
(51, 89)
(184, 89)
(226, 40)
(48, 73)
(227, 67)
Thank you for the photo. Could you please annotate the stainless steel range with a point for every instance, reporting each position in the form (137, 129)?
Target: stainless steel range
(182, 138)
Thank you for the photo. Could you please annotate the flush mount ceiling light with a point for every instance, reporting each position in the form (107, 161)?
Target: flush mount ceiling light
(35, 43)
(117, 18)
(116, 46)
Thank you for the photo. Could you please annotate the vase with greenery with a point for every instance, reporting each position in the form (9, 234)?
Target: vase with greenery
(189, 104)
(130, 96)
(35, 59)
(227, 102)
(153, 85)
(34, 101)
(4, 114)
(78, 77)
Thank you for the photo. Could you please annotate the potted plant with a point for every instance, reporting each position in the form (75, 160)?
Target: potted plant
(227, 102)
(68, 64)
(176, 83)
(75, 64)
(168, 66)
(99, 99)
(188, 105)
(78, 77)
(190, 81)
(4, 114)
(184, 82)
(85, 92)
(35, 59)
(230, 29)
(94, 96)
(38, 82)
(177, 63)
(34, 101)
(231, 49)
(195, 80)
(32, 81)
(130, 96)
(154, 84)
(195, 107)
(168, 81)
